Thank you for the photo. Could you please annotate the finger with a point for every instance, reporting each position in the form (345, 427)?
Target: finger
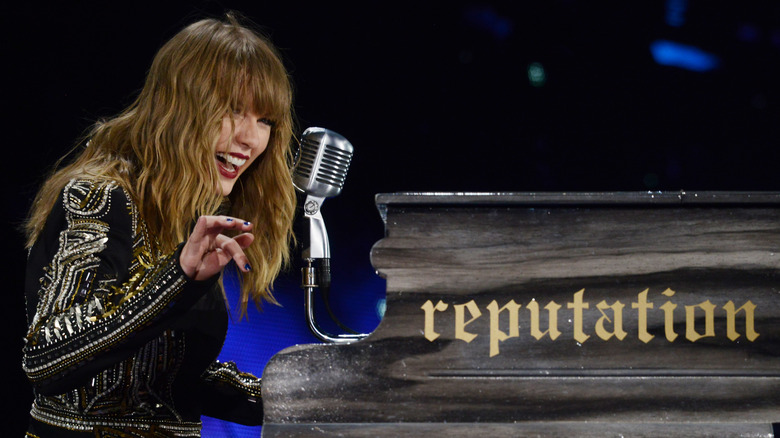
(201, 228)
(234, 223)
(200, 240)
(203, 239)
(232, 248)
(244, 240)
(211, 225)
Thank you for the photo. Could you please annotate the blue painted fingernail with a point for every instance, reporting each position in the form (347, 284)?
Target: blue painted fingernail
(247, 223)
(247, 267)
(229, 220)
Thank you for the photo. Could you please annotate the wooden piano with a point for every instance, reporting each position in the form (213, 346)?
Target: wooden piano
(555, 314)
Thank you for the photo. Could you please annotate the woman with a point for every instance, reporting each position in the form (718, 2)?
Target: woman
(125, 306)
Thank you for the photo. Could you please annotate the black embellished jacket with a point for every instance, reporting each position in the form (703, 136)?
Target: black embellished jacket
(120, 342)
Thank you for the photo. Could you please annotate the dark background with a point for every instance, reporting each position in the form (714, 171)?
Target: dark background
(435, 96)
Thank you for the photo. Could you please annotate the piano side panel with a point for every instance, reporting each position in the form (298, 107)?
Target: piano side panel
(530, 429)
(627, 361)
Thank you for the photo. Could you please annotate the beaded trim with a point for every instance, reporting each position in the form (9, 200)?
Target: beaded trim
(228, 373)
(81, 423)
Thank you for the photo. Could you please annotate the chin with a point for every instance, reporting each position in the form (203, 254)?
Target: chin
(226, 188)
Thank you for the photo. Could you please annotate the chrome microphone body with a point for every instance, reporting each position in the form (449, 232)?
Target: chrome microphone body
(319, 171)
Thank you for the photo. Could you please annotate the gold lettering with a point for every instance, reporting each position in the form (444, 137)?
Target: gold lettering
(709, 321)
(496, 335)
(461, 323)
(578, 306)
(617, 325)
(609, 325)
(429, 309)
(731, 314)
(668, 309)
(642, 305)
(552, 325)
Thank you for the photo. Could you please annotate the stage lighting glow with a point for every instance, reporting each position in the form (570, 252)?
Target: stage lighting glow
(487, 19)
(536, 74)
(675, 12)
(774, 37)
(748, 33)
(683, 56)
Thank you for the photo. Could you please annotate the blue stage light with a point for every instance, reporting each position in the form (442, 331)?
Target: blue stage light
(675, 12)
(487, 19)
(683, 56)
(748, 33)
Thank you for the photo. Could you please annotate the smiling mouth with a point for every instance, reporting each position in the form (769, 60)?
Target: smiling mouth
(228, 164)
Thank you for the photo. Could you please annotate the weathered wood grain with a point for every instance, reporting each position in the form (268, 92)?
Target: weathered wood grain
(528, 429)
(649, 362)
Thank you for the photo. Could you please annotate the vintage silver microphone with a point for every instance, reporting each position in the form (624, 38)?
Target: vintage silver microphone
(319, 171)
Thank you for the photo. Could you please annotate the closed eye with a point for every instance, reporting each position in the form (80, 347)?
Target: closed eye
(266, 121)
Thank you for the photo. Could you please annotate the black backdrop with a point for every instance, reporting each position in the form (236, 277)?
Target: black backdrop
(435, 96)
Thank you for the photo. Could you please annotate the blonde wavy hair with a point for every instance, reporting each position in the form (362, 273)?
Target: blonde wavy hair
(161, 149)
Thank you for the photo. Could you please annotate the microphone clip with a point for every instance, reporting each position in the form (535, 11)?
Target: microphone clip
(319, 246)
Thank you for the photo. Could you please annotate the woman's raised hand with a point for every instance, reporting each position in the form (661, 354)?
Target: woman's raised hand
(207, 250)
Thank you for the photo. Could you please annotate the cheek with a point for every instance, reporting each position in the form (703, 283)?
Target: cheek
(264, 142)
(224, 134)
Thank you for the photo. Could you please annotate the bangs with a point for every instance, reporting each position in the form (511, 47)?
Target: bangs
(263, 89)
(229, 67)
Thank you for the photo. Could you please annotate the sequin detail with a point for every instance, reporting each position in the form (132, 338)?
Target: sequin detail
(229, 374)
(81, 312)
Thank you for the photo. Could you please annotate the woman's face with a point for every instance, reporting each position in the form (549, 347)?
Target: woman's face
(236, 152)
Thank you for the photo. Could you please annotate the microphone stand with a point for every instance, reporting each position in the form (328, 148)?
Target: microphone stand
(312, 278)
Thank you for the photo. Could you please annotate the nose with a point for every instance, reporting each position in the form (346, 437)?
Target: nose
(247, 133)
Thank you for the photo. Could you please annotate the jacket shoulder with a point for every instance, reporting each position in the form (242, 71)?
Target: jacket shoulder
(94, 199)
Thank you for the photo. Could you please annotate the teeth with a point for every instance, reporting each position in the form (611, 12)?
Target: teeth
(238, 162)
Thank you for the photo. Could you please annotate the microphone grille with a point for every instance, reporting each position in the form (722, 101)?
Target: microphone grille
(322, 162)
(307, 156)
(334, 166)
